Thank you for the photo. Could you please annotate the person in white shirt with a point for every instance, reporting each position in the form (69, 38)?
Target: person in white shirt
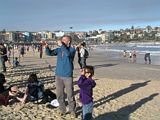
(82, 55)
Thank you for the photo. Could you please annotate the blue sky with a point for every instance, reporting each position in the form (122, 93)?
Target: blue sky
(82, 15)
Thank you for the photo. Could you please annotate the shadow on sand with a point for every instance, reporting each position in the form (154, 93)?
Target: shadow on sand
(124, 112)
(115, 95)
(120, 93)
(27, 71)
(104, 65)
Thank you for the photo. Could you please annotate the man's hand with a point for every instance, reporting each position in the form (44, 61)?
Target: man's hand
(46, 44)
(59, 43)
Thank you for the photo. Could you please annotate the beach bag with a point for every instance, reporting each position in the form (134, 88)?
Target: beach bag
(86, 53)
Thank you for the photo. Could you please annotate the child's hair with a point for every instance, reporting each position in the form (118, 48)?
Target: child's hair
(32, 78)
(90, 69)
(16, 58)
(2, 78)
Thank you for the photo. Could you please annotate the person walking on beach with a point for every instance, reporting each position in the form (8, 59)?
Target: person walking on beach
(83, 55)
(147, 58)
(9, 48)
(41, 50)
(79, 55)
(86, 85)
(3, 57)
(22, 51)
(64, 73)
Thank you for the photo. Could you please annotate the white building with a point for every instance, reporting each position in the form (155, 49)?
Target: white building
(59, 33)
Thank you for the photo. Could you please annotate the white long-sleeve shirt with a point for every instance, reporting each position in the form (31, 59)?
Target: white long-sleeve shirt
(82, 51)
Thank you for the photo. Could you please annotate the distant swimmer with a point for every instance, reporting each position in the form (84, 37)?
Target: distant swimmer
(147, 58)
(134, 55)
(130, 54)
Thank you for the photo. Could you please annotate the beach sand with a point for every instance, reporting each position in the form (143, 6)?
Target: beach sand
(124, 91)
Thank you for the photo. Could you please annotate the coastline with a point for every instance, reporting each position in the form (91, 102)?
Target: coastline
(118, 49)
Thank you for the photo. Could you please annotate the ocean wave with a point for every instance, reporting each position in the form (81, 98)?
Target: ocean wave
(156, 53)
(151, 46)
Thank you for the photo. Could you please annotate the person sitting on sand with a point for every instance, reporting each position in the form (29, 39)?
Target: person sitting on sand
(16, 62)
(86, 85)
(35, 91)
(6, 94)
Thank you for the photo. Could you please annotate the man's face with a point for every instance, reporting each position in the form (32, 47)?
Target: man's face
(66, 40)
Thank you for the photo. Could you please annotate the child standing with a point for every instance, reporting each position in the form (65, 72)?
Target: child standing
(86, 85)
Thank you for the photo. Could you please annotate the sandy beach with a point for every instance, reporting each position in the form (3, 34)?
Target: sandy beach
(124, 91)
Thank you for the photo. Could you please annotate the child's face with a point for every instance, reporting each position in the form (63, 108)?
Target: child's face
(85, 73)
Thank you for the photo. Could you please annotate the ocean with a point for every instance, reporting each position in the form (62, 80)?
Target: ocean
(115, 51)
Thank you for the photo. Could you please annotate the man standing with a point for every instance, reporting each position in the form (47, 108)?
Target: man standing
(41, 50)
(3, 57)
(147, 56)
(22, 51)
(64, 73)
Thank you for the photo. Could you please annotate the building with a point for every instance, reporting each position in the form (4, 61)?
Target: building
(10, 36)
(59, 33)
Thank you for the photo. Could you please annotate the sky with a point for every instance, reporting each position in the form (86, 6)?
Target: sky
(82, 15)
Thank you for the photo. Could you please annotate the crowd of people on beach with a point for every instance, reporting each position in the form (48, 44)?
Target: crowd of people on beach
(35, 90)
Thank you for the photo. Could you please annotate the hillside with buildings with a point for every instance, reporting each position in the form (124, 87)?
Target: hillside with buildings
(96, 36)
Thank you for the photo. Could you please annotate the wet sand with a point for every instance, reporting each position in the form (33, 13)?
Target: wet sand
(124, 91)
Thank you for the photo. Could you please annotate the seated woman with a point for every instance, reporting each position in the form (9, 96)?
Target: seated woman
(35, 91)
(6, 94)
